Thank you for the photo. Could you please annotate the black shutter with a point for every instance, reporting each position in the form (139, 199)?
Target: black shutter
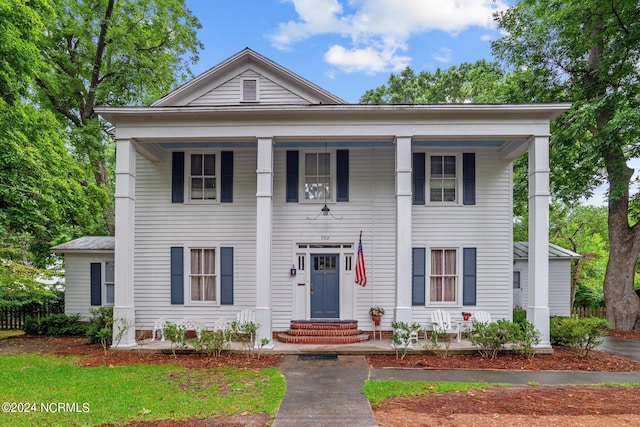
(469, 276)
(226, 179)
(292, 176)
(418, 178)
(342, 175)
(96, 283)
(418, 276)
(226, 275)
(177, 177)
(177, 275)
(469, 178)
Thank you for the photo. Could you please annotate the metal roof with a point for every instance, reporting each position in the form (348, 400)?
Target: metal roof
(87, 244)
(521, 251)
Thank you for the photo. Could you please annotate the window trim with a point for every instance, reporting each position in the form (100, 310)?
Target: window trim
(105, 283)
(187, 177)
(333, 183)
(187, 274)
(458, 276)
(242, 94)
(458, 186)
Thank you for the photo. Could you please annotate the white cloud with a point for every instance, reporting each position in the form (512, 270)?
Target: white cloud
(379, 29)
(368, 60)
(443, 55)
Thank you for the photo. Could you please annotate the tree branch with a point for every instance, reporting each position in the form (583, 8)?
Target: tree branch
(619, 18)
(59, 108)
(87, 111)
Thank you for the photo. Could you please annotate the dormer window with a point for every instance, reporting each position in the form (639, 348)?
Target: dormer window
(249, 90)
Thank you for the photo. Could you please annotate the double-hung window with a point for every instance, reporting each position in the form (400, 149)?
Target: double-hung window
(442, 179)
(109, 282)
(202, 276)
(444, 276)
(203, 177)
(317, 177)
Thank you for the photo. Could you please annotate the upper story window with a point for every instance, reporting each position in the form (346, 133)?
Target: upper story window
(203, 177)
(202, 277)
(443, 179)
(317, 177)
(444, 276)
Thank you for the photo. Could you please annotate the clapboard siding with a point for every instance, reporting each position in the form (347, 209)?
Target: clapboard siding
(485, 226)
(161, 224)
(559, 285)
(77, 294)
(229, 92)
(371, 209)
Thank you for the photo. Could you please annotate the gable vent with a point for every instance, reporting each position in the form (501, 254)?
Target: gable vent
(249, 90)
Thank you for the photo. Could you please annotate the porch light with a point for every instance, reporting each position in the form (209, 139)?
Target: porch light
(325, 210)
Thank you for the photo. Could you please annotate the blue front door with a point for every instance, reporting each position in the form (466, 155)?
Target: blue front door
(324, 287)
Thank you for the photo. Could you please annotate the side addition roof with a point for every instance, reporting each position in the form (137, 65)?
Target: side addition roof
(521, 251)
(87, 244)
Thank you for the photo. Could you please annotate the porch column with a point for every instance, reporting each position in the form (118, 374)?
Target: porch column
(538, 309)
(264, 204)
(124, 328)
(403, 229)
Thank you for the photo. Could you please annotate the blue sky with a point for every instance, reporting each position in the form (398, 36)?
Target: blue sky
(348, 46)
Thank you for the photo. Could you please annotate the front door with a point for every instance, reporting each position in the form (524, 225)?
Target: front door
(324, 287)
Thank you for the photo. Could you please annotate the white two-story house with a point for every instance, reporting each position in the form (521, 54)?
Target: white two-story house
(249, 188)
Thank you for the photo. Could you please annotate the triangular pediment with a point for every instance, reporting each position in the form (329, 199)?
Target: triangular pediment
(248, 78)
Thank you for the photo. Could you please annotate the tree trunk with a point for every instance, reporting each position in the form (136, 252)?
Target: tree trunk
(621, 300)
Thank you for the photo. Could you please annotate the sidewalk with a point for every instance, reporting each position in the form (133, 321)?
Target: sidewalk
(329, 392)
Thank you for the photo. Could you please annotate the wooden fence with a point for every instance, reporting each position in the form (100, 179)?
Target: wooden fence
(582, 312)
(13, 317)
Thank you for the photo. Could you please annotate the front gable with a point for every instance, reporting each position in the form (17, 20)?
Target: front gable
(247, 78)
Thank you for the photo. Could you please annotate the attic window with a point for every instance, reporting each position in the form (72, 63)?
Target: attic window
(249, 91)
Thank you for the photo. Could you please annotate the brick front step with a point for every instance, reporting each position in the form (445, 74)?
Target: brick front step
(323, 332)
(324, 325)
(350, 339)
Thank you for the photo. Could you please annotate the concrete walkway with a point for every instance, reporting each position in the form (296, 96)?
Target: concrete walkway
(329, 392)
(324, 393)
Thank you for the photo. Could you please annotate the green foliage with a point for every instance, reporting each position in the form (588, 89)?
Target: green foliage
(99, 329)
(246, 333)
(212, 343)
(401, 337)
(122, 395)
(377, 391)
(55, 324)
(177, 334)
(588, 297)
(491, 338)
(583, 335)
(519, 315)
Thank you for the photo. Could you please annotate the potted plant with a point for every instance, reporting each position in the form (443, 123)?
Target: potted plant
(376, 313)
(466, 315)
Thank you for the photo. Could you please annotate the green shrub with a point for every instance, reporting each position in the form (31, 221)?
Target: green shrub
(492, 337)
(580, 334)
(519, 315)
(401, 337)
(31, 326)
(212, 343)
(55, 324)
(177, 334)
(527, 339)
(99, 329)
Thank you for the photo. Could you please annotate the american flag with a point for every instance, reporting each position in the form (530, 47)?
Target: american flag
(361, 271)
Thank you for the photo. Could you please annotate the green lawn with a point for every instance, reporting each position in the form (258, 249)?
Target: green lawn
(123, 394)
(8, 333)
(379, 390)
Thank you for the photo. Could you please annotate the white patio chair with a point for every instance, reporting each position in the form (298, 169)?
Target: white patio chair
(482, 317)
(442, 324)
(246, 316)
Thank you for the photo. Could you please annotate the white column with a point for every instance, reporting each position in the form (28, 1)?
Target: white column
(403, 229)
(538, 308)
(264, 204)
(124, 305)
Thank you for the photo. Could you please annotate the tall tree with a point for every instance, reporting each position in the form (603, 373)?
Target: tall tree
(112, 52)
(592, 50)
